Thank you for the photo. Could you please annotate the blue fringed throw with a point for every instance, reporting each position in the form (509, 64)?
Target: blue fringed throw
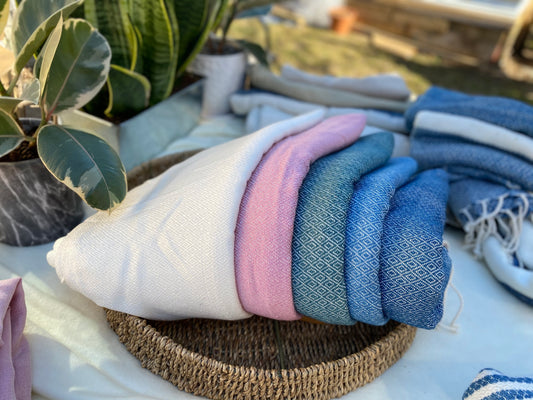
(508, 113)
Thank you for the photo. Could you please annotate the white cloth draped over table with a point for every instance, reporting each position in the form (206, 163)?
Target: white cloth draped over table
(171, 242)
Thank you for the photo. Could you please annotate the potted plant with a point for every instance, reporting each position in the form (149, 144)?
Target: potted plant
(152, 43)
(47, 169)
(222, 61)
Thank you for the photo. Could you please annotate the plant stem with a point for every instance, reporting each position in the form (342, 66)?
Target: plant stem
(3, 90)
(13, 84)
(279, 342)
(44, 119)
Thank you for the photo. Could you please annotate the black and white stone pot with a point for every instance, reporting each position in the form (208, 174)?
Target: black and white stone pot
(35, 208)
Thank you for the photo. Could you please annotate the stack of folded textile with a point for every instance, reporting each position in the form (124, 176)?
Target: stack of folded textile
(486, 144)
(303, 217)
(381, 98)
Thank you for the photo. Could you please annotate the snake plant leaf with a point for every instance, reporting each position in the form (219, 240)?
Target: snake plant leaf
(8, 104)
(32, 23)
(85, 163)
(80, 68)
(129, 92)
(216, 10)
(11, 135)
(192, 17)
(112, 20)
(4, 14)
(257, 51)
(157, 50)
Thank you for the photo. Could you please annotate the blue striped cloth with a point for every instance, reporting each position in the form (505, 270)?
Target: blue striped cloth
(318, 244)
(491, 384)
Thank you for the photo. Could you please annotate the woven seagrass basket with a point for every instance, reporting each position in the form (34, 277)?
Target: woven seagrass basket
(258, 358)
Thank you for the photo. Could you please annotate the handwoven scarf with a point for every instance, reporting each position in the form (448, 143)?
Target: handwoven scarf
(167, 252)
(266, 217)
(386, 86)
(318, 244)
(415, 266)
(489, 191)
(491, 384)
(500, 111)
(262, 78)
(491, 185)
(15, 365)
(369, 205)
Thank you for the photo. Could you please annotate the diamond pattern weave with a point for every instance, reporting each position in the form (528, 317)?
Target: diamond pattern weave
(318, 285)
(415, 266)
(368, 207)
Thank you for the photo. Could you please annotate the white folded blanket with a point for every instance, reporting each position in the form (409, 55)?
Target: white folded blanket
(167, 252)
(477, 131)
(262, 78)
(386, 86)
(244, 103)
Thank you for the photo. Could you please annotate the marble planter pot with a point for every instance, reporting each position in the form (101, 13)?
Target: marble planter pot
(224, 75)
(35, 208)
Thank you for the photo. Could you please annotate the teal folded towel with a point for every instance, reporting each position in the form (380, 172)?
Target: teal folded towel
(318, 244)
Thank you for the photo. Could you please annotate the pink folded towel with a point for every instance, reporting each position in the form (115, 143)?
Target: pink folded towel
(266, 216)
(15, 367)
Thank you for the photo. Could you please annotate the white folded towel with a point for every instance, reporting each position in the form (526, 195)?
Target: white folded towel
(386, 86)
(477, 131)
(167, 252)
(244, 103)
(262, 78)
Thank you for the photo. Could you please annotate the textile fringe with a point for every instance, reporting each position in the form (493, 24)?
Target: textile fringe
(504, 224)
(452, 326)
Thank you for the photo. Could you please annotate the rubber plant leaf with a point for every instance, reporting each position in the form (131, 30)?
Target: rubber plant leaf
(4, 14)
(111, 19)
(157, 50)
(46, 56)
(31, 91)
(80, 67)
(8, 104)
(32, 23)
(11, 135)
(85, 163)
(129, 92)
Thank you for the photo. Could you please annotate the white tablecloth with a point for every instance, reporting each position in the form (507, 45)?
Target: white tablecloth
(76, 356)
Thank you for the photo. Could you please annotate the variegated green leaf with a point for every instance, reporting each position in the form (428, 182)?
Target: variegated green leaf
(157, 48)
(11, 135)
(33, 22)
(31, 91)
(79, 68)
(4, 14)
(85, 163)
(48, 52)
(8, 104)
(129, 92)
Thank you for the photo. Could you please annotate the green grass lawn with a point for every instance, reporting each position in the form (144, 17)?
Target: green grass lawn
(321, 51)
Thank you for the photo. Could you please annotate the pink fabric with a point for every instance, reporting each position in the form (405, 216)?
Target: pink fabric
(15, 366)
(266, 217)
